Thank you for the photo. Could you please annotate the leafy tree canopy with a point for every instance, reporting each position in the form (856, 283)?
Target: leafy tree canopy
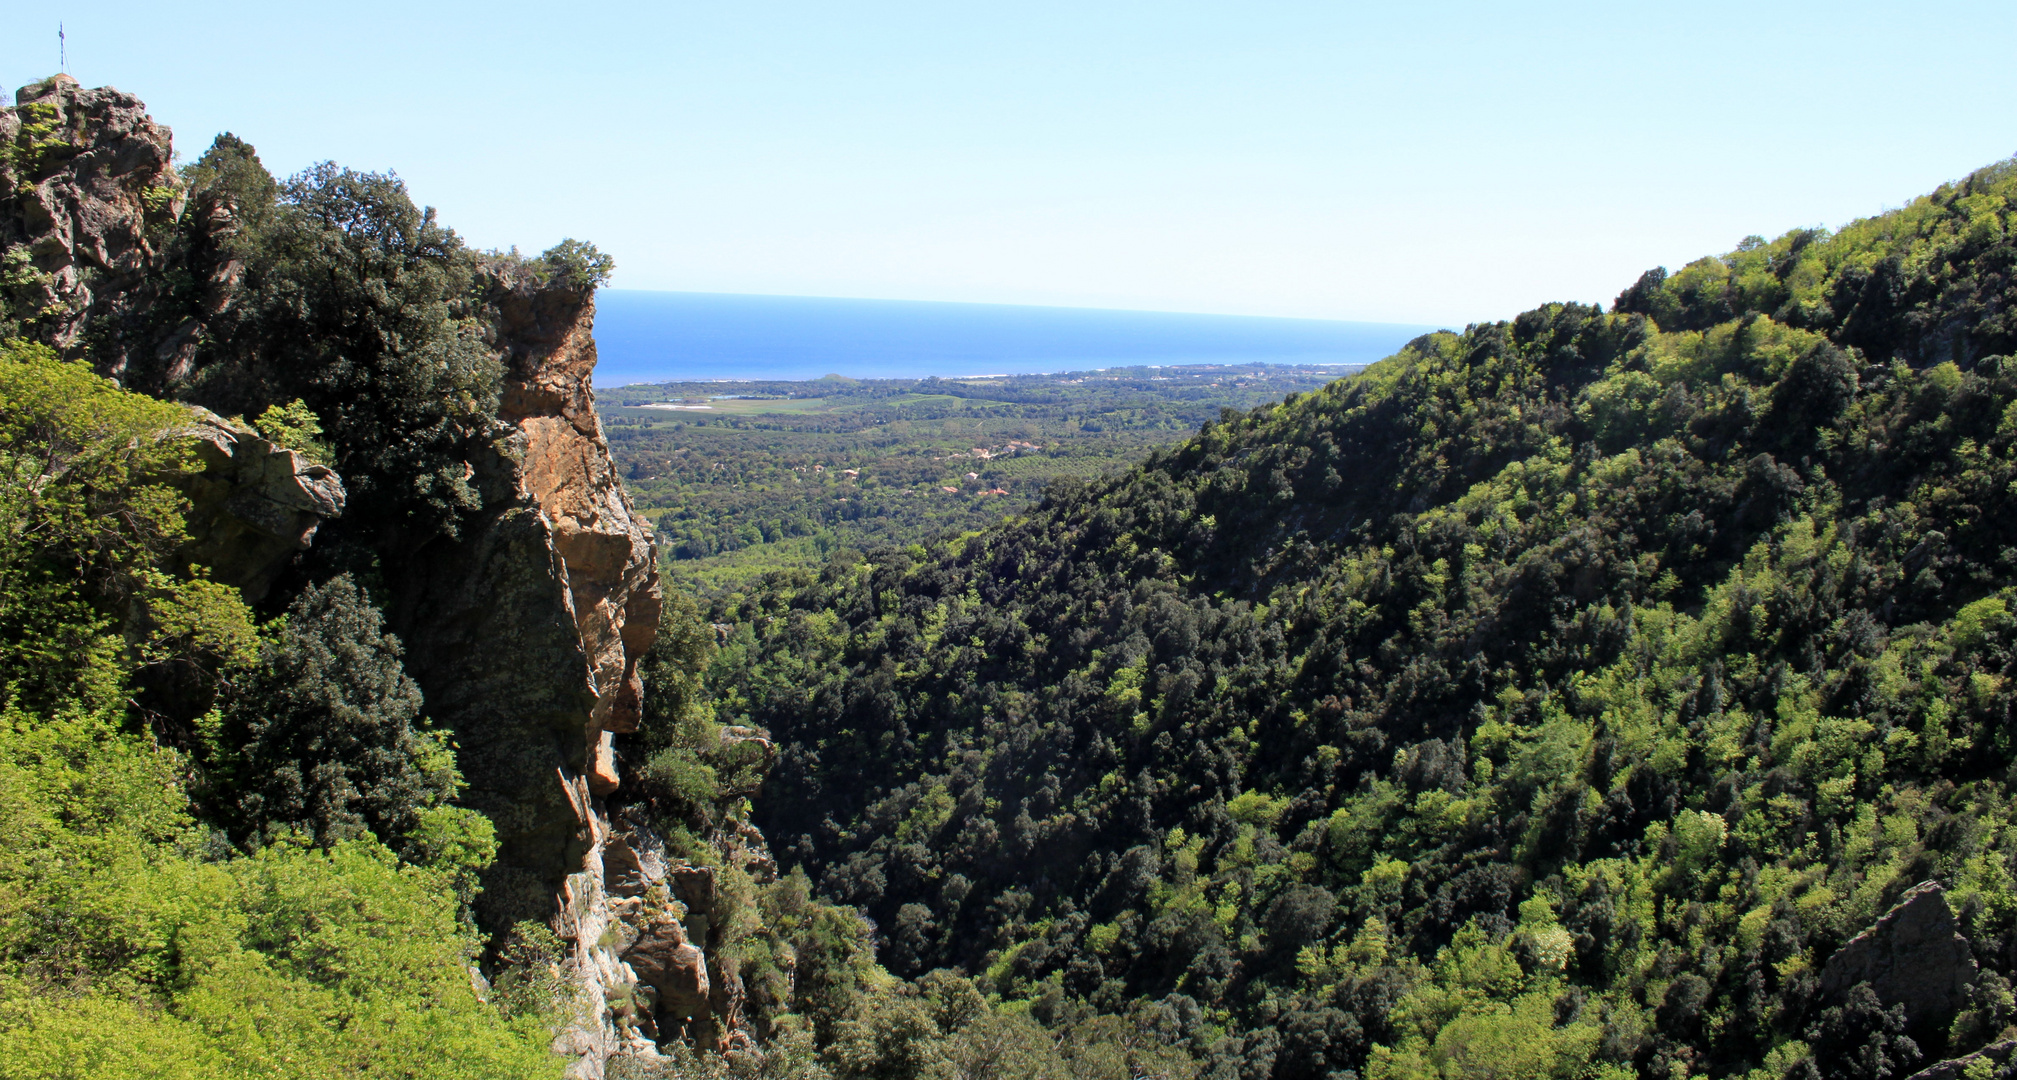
(1606, 671)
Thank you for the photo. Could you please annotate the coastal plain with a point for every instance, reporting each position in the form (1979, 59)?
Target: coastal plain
(743, 478)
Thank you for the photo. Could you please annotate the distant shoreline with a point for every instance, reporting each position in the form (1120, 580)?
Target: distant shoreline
(655, 337)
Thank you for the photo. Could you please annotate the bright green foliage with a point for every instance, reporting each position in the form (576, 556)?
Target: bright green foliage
(294, 426)
(79, 455)
(1924, 284)
(1552, 699)
(124, 953)
(133, 941)
(87, 526)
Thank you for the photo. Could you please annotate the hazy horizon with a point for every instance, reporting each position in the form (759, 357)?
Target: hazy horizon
(646, 336)
(1446, 162)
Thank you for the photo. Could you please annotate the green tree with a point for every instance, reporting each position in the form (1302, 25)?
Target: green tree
(326, 736)
(356, 303)
(88, 525)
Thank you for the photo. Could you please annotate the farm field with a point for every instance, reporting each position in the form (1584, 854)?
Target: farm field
(745, 478)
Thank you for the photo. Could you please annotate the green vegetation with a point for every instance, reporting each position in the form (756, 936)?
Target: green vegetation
(746, 478)
(356, 312)
(1553, 699)
(135, 938)
(322, 739)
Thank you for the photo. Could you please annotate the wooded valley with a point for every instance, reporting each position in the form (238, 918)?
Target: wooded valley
(1612, 691)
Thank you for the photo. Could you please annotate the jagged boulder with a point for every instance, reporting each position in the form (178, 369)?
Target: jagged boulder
(1913, 955)
(632, 862)
(674, 967)
(253, 504)
(94, 189)
(1988, 1061)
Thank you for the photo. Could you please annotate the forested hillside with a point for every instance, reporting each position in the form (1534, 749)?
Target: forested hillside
(1598, 694)
(1554, 699)
(309, 705)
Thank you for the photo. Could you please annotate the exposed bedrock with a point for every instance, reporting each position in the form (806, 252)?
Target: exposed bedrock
(1913, 955)
(525, 632)
(94, 195)
(253, 505)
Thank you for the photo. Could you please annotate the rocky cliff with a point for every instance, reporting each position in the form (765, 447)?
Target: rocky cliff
(526, 634)
(94, 198)
(524, 628)
(253, 505)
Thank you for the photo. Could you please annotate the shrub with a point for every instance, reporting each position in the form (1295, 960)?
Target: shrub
(326, 738)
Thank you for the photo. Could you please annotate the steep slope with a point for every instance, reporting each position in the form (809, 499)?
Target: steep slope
(1556, 697)
(477, 578)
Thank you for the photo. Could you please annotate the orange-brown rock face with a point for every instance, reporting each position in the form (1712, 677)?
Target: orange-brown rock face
(605, 549)
(525, 631)
(617, 902)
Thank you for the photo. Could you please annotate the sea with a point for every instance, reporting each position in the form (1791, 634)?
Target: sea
(650, 337)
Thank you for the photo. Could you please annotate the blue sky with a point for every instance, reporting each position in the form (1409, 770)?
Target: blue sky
(1425, 162)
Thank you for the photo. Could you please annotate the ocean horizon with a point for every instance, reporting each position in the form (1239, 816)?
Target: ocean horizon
(649, 337)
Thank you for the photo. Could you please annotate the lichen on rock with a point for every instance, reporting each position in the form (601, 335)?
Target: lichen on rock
(93, 184)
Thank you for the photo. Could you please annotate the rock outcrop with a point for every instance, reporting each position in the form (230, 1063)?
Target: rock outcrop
(253, 505)
(94, 195)
(526, 633)
(1913, 955)
(1988, 1061)
(647, 948)
(525, 629)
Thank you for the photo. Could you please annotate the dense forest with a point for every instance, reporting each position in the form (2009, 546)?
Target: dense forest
(744, 478)
(1601, 693)
(237, 836)
(1555, 698)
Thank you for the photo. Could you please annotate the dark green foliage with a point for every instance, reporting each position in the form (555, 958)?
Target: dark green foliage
(351, 303)
(680, 761)
(229, 178)
(1860, 1039)
(576, 264)
(1606, 671)
(325, 737)
(355, 302)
